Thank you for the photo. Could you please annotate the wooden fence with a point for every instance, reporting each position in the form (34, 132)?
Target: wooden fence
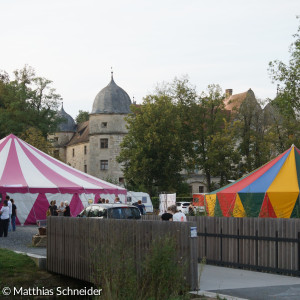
(76, 245)
(263, 244)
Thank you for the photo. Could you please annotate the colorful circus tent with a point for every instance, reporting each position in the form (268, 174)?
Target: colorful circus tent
(270, 191)
(33, 178)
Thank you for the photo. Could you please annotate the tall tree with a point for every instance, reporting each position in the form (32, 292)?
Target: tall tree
(27, 101)
(285, 130)
(214, 143)
(288, 78)
(154, 151)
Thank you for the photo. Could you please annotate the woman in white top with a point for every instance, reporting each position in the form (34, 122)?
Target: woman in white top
(61, 209)
(4, 219)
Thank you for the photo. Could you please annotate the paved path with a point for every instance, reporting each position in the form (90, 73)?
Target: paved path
(248, 284)
(21, 240)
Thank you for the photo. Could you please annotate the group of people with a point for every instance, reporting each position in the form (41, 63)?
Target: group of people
(62, 210)
(102, 201)
(173, 214)
(8, 214)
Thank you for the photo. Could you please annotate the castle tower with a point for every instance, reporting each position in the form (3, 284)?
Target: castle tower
(107, 129)
(63, 135)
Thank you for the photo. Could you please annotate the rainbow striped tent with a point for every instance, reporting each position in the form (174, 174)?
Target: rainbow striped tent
(270, 191)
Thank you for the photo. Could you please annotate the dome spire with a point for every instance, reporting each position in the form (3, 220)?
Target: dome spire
(112, 73)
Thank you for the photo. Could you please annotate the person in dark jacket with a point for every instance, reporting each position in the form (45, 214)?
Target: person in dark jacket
(13, 215)
(167, 216)
(67, 212)
(141, 207)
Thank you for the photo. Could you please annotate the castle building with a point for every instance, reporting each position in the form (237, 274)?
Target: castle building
(93, 146)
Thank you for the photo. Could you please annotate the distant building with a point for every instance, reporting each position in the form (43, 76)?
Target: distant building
(236, 105)
(93, 146)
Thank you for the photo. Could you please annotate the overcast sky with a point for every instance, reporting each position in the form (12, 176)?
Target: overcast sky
(75, 43)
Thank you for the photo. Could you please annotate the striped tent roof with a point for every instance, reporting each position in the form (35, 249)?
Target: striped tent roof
(270, 191)
(25, 169)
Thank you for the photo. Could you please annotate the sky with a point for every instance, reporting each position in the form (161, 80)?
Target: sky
(75, 43)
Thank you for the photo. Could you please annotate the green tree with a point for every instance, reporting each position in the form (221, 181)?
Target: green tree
(82, 116)
(155, 150)
(34, 137)
(288, 78)
(285, 129)
(214, 143)
(27, 101)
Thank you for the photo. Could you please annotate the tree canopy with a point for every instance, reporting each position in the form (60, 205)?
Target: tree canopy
(287, 75)
(27, 101)
(82, 116)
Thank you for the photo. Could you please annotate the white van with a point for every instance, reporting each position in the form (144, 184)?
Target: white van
(133, 197)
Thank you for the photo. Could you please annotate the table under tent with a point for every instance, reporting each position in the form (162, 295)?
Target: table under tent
(33, 178)
(270, 191)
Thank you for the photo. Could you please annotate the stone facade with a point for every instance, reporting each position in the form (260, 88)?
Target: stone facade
(95, 144)
(106, 134)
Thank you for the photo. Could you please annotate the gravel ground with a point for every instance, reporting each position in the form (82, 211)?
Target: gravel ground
(21, 240)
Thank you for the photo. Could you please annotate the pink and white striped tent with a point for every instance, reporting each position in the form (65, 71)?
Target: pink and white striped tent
(33, 178)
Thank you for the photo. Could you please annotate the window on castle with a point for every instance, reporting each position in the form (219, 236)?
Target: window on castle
(73, 152)
(55, 139)
(56, 153)
(103, 164)
(85, 168)
(201, 189)
(103, 143)
(85, 149)
(104, 125)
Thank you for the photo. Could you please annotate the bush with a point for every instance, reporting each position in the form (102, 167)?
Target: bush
(159, 275)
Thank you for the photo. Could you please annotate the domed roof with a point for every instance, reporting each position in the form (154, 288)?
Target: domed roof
(112, 100)
(68, 124)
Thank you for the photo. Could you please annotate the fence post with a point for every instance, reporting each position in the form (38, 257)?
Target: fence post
(221, 246)
(256, 247)
(298, 251)
(276, 249)
(205, 242)
(238, 246)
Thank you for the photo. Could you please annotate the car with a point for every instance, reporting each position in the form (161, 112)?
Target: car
(111, 211)
(183, 207)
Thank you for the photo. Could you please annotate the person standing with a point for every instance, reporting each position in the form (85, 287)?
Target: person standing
(9, 204)
(178, 216)
(13, 215)
(4, 219)
(61, 209)
(53, 208)
(117, 200)
(67, 212)
(191, 210)
(141, 207)
(167, 216)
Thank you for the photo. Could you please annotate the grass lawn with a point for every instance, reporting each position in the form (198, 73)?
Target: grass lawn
(18, 270)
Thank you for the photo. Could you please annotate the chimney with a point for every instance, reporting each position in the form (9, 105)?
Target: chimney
(228, 93)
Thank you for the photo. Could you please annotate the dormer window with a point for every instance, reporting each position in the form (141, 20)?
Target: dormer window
(104, 125)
